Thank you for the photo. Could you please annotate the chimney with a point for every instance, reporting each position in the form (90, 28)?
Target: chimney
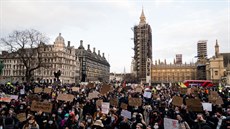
(103, 55)
(98, 52)
(68, 44)
(88, 47)
(165, 62)
(94, 50)
(81, 42)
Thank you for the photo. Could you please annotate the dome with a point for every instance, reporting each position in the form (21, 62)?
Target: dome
(59, 41)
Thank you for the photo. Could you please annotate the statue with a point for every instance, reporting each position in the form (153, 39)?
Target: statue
(57, 74)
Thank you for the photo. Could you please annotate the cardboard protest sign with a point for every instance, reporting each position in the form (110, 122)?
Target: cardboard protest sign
(76, 89)
(147, 94)
(41, 106)
(177, 101)
(65, 97)
(99, 102)
(114, 102)
(207, 106)
(37, 90)
(124, 106)
(105, 89)
(194, 105)
(32, 97)
(90, 85)
(171, 123)
(127, 88)
(138, 89)
(21, 117)
(105, 107)
(126, 114)
(47, 90)
(215, 99)
(135, 101)
(93, 95)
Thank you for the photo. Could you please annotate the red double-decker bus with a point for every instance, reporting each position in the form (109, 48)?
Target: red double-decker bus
(203, 83)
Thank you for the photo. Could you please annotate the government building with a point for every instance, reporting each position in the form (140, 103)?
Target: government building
(55, 57)
(93, 66)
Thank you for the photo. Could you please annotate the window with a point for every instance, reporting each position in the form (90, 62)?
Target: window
(216, 73)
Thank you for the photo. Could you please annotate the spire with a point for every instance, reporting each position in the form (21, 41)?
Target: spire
(142, 17)
(217, 49)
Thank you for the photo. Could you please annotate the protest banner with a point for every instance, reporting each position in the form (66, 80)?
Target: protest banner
(135, 101)
(177, 101)
(47, 90)
(99, 102)
(207, 106)
(147, 94)
(21, 117)
(126, 113)
(37, 90)
(105, 89)
(114, 102)
(41, 106)
(124, 106)
(194, 105)
(76, 89)
(65, 97)
(5, 98)
(171, 123)
(105, 107)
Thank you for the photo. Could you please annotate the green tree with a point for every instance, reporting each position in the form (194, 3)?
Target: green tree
(26, 45)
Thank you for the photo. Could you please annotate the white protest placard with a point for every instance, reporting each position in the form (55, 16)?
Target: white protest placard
(171, 123)
(147, 94)
(207, 106)
(126, 114)
(105, 107)
(15, 97)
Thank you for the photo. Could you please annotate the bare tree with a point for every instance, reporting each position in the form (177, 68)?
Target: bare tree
(26, 45)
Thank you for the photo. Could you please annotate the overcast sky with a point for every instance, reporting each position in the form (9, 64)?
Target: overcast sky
(176, 25)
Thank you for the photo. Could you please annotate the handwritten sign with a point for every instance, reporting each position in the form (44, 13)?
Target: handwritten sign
(65, 97)
(32, 97)
(21, 117)
(37, 90)
(126, 114)
(105, 107)
(47, 90)
(171, 123)
(135, 101)
(177, 101)
(76, 89)
(90, 85)
(105, 89)
(93, 95)
(41, 106)
(194, 105)
(207, 106)
(147, 94)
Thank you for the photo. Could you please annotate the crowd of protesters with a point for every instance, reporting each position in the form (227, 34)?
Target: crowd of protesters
(83, 113)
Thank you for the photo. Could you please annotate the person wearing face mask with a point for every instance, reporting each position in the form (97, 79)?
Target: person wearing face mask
(31, 124)
(51, 124)
(64, 121)
(182, 124)
(155, 118)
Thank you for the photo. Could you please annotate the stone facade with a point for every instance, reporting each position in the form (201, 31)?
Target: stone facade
(57, 57)
(93, 66)
(162, 72)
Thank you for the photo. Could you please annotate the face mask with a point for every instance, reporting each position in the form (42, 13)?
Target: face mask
(21, 107)
(50, 122)
(89, 120)
(76, 117)
(112, 118)
(59, 111)
(66, 118)
(177, 112)
(156, 127)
